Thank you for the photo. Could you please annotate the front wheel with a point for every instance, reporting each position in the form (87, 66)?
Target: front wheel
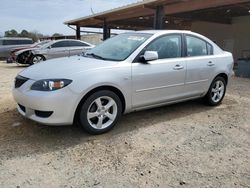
(37, 59)
(100, 112)
(216, 92)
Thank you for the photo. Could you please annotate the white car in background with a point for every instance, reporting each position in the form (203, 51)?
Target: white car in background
(22, 55)
(129, 72)
(52, 49)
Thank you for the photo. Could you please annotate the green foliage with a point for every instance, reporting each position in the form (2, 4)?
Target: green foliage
(24, 33)
(11, 33)
(57, 35)
(34, 35)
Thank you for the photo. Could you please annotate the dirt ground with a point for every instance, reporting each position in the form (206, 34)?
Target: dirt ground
(182, 145)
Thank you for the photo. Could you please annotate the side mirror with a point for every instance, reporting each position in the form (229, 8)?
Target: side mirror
(149, 56)
(49, 47)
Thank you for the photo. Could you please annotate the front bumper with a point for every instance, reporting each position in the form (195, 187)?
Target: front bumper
(61, 104)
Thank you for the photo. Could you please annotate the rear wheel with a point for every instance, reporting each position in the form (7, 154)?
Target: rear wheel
(100, 112)
(216, 92)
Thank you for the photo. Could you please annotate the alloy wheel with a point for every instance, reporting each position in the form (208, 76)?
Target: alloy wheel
(218, 91)
(37, 59)
(102, 112)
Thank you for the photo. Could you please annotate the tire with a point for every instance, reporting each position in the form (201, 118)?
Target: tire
(37, 59)
(96, 116)
(216, 92)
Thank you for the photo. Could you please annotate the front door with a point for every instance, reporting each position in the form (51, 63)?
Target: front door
(59, 49)
(161, 80)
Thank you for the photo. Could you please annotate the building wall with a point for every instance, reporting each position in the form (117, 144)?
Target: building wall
(92, 38)
(234, 38)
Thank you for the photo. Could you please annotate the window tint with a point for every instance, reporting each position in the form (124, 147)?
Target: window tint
(16, 42)
(25, 41)
(209, 49)
(60, 44)
(77, 43)
(196, 47)
(167, 46)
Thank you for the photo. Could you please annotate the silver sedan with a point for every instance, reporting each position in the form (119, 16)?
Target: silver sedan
(132, 71)
(59, 48)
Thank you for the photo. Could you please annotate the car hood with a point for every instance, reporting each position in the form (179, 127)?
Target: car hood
(25, 50)
(65, 67)
(22, 48)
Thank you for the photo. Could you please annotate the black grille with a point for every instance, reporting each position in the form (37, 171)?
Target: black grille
(19, 81)
(43, 114)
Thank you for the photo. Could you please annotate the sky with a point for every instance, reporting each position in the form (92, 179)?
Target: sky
(47, 16)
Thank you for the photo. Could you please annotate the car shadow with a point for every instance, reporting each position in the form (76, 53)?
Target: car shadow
(21, 137)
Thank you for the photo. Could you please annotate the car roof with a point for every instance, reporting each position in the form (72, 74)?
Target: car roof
(67, 40)
(163, 31)
(55, 41)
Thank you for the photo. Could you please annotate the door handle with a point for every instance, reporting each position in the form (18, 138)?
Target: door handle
(210, 63)
(178, 67)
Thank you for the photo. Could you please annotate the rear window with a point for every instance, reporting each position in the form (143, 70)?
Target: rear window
(16, 42)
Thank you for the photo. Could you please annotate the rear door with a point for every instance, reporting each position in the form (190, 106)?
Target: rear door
(77, 47)
(161, 80)
(200, 65)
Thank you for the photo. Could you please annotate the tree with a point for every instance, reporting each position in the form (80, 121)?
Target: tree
(24, 33)
(11, 33)
(34, 35)
(57, 35)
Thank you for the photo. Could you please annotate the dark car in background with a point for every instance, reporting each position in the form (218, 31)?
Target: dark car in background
(8, 43)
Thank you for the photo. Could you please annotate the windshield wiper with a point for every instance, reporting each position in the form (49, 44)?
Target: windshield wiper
(96, 56)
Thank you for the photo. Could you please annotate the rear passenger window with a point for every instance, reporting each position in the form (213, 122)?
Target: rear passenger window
(60, 44)
(196, 47)
(167, 46)
(209, 49)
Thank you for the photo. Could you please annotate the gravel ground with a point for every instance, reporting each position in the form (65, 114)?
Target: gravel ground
(182, 145)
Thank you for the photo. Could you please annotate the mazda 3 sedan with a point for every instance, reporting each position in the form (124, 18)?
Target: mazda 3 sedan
(129, 72)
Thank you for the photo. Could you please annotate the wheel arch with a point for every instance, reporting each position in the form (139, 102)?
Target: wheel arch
(41, 55)
(100, 88)
(223, 75)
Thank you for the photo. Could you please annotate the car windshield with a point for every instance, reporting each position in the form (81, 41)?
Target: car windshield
(40, 44)
(118, 48)
(47, 44)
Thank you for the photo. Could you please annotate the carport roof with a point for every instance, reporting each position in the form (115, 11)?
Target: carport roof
(140, 15)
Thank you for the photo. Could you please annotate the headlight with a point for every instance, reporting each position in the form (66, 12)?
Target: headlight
(50, 84)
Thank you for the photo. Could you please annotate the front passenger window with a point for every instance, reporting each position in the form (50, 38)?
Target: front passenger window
(167, 46)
